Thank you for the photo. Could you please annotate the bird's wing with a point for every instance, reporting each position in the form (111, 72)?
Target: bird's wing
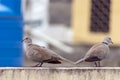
(46, 53)
(99, 50)
(35, 52)
(93, 53)
(55, 55)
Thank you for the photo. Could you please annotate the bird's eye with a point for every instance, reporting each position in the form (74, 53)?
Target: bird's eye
(109, 38)
(43, 47)
(26, 38)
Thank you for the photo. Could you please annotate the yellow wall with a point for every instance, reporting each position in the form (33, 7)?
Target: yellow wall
(81, 23)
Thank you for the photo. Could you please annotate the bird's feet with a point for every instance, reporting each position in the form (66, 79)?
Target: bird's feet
(37, 65)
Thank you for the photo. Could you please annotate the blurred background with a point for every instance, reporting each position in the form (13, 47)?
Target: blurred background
(68, 27)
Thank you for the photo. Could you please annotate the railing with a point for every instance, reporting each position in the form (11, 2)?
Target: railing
(60, 73)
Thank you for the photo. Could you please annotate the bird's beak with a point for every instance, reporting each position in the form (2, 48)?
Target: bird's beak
(111, 42)
(22, 40)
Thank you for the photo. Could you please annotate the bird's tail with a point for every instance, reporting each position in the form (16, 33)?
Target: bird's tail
(66, 60)
(79, 61)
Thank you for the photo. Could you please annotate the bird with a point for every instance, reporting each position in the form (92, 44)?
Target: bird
(41, 54)
(97, 52)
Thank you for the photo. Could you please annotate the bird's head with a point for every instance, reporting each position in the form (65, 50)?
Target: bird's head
(107, 40)
(27, 40)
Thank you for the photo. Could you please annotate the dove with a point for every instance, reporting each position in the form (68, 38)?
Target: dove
(97, 52)
(41, 54)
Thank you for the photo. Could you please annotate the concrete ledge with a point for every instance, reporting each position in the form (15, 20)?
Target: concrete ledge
(60, 73)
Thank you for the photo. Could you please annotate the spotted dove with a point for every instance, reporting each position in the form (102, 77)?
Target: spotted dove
(97, 52)
(41, 54)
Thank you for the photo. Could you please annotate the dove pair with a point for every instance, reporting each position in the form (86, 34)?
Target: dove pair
(42, 55)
